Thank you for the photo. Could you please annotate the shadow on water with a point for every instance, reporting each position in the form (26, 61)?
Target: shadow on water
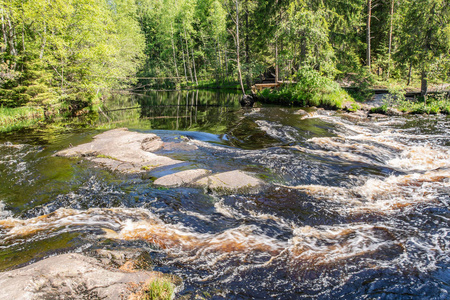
(352, 209)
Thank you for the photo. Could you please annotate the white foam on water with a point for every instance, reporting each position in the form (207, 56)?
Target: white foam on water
(421, 158)
(233, 213)
(4, 213)
(330, 244)
(381, 146)
(277, 130)
(384, 195)
(140, 224)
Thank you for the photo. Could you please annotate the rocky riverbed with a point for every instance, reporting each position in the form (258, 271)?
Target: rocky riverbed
(132, 152)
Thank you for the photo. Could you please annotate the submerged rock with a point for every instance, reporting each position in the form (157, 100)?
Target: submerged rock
(231, 182)
(122, 150)
(181, 178)
(71, 276)
(130, 152)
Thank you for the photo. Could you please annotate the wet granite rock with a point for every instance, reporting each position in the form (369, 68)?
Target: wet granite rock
(181, 178)
(183, 146)
(122, 150)
(393, 112)
(356, 116)
(301, 112)
(230, 182)
(71, 276)
(247, 101)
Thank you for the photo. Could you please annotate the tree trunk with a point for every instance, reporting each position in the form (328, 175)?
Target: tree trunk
(226, 63)
(187, 56)
(5, 37)
(207, 62)
(174, 56)
(368, 38)
(44, 41)
(424, 84)
(409, 74)
(237, 47)
(302, 51)
(218, 61)
(12, 37)
(390, 39)
(276, 60)
(193, 63)
(184, 62)
(62, 77)
(247, 48)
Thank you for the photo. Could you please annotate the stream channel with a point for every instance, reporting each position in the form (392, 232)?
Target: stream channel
(353, 207)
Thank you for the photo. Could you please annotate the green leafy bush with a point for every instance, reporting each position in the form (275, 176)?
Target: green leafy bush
(311, 89)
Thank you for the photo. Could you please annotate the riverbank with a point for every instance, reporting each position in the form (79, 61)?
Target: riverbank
(323, 94)
(19, 117)
(329, 95)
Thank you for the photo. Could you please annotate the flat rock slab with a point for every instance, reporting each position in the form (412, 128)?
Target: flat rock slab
(230, 182)
(181, 178)
(70, 276)
(122, 150)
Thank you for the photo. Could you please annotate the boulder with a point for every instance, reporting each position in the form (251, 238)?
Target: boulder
(230, 182)
(355, 116)
(247, 101)
(71, 276)
(122, 150)
(181, 178)
(393, 112)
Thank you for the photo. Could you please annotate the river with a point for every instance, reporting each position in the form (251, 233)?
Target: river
(354, 208)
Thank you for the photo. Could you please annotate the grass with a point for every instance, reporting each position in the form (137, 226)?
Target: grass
(159, 289)
(19, 117)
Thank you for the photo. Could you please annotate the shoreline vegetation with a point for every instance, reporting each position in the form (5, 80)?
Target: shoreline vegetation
(312, 91)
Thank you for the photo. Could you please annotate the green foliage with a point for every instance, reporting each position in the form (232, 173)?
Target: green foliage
(60, 55)
(311, 89)
(379, 110)
(396, 95)
(66, 51)
(435, 104)
(425, 36)
(159, 289)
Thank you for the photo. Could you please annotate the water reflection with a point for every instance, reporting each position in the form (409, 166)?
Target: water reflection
(198, 110)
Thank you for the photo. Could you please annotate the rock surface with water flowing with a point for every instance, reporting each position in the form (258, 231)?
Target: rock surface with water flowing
(72, 276)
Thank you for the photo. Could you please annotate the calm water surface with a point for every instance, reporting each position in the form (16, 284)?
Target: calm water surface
(353, 208)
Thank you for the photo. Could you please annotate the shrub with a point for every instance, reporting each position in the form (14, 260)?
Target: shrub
(159, 289)
(311, 89)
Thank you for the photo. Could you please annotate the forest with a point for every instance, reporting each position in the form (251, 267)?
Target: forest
(61, 56)
(134, 166)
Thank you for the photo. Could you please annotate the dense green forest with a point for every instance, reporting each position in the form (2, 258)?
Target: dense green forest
(61, 55)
